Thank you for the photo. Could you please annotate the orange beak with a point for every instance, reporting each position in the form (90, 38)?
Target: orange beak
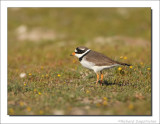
(73, 54)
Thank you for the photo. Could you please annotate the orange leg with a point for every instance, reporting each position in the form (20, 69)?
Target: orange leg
(101, 78)
(97, 78)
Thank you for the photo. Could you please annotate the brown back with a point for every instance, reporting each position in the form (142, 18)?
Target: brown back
(100, 59)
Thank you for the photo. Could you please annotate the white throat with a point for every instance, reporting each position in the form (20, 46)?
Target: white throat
(80, 55)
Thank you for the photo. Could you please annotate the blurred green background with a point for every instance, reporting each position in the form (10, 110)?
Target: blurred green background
(40, 41)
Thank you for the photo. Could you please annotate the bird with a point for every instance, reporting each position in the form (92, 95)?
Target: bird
(95, 61)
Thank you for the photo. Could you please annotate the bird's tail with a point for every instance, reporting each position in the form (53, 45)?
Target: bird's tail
(125, 64)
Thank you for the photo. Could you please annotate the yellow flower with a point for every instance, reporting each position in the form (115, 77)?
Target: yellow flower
(148, 69)
(39, 93)
(74, 61)
(25, 84)
(98, 104)
(124, 57)
(30, 74)
(42, 67)
(34, 90)
(87, 91)
(46, 75)
(41, 112)
(131, 67)
(141, 63)
(119, 68)
(58, 75)
(11, 111)
(28, 109)
(21, 103)
(121, 57)
(42, 76)
(105, 98)
(104, 102)
(130, 106)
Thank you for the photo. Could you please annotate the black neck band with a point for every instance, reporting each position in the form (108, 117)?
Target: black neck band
(83, 56)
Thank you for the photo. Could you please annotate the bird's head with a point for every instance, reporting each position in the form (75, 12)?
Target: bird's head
(80, 51)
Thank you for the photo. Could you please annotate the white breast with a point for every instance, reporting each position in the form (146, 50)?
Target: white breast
(87, 64)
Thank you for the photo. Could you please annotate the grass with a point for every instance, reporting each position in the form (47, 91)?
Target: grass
(55, 83)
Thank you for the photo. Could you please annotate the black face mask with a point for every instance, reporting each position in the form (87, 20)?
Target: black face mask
(79, 51)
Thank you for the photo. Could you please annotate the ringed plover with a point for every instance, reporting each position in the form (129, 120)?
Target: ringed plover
(95, 61)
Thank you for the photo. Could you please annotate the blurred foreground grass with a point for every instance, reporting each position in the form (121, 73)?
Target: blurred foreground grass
(44, 80)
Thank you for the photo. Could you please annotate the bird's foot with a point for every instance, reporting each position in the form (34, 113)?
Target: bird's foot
(96, 82)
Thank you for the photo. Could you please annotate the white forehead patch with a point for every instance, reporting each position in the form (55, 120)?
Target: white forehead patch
(75, 50)
(82, 48)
